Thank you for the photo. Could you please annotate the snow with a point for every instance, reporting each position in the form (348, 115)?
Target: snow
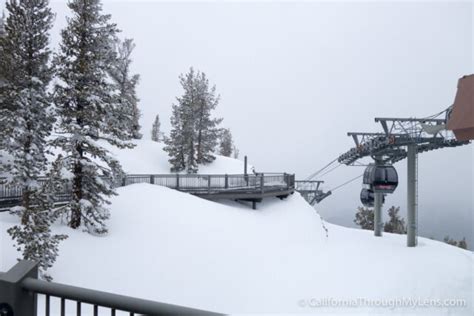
(148, 157)
(173, 247)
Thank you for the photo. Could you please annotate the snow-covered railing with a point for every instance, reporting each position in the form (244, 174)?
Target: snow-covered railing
(191, 183)
(214, 182)
(20, 288)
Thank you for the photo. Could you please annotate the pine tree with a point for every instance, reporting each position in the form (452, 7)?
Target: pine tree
(236, 152)
(226, 143)
(194, 134)
(175, 143)
(396, 224)
(365, 218)
(156, 134)
(462, 243)
(86, 100)
(128, 112)
(27, 120)
(26, 115)
(450, 241)
(2, 25)
(33, 238)
(207, 130)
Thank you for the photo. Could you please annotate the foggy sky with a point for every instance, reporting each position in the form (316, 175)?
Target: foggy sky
(294, 78)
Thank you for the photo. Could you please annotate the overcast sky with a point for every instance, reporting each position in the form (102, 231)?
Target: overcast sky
(294, 78)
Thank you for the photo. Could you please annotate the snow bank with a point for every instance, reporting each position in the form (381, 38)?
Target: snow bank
(172, 247)
(148, 157)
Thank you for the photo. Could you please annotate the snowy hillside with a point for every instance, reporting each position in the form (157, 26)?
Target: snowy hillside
(173, 247)
(148, 157)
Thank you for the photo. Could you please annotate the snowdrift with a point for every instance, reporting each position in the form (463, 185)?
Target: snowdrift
(173, 247)
(148, 157)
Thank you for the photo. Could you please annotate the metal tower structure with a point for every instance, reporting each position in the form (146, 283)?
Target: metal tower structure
(310, 190)
(401, 138)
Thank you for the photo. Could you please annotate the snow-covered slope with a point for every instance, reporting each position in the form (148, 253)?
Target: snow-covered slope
(148, 157)
(173, 247)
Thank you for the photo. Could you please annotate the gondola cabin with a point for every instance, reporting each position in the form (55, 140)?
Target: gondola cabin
(367, 198)
(381, 178)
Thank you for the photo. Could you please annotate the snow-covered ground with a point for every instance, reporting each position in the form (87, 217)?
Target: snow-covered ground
(172, 247)
(148, 157)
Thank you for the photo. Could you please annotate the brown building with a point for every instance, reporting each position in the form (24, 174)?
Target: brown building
(461, 118)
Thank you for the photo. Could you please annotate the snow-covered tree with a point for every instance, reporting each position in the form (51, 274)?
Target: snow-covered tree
(128, 113)
(156, 134)
(206, 126)
(236, 152)
(86, 99)
(226, 145)
(395, 224)
(33, 238)
(2, 24)
(194, 133)
(26, 120)
(26, 115)
(364, 218)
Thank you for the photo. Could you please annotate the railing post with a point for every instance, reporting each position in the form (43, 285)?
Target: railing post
(226, 181)
(152, 179)
(14, 300)
(262, 180)
(209, 183)
(124, 181)
(177, 181)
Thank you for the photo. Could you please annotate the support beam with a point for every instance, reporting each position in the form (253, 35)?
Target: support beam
(378, 224)
(412, 195)
(378, 201)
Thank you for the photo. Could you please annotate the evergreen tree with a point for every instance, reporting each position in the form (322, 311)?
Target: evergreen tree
(365, 218)
(128, 112)
(26, 114)
(236, 152)
(86, 100)
(462, 243)
(226, 143)
(33, 238)
(396, 224)
(207, 129)
(156, 134)
(2, 25)
(194, 134)
(175, 143)
(26, 120)
(450, 241)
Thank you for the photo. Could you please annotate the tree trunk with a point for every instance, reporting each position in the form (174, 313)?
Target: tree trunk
(77, 192)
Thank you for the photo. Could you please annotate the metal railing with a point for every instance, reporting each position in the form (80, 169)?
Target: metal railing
(20, 287)
(10, 195)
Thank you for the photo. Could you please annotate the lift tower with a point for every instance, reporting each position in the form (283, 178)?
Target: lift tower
(401, 138)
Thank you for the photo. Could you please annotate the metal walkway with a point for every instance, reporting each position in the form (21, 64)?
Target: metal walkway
(239, 187)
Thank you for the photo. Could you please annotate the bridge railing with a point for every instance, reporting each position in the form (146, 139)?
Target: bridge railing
(193, 183)
(20, 288)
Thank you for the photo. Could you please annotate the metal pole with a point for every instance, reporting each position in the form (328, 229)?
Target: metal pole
(245, 165)
(378, 201)
(412, 205)
(378, 224)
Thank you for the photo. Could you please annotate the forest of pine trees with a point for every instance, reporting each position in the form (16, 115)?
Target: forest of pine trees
(93, 101)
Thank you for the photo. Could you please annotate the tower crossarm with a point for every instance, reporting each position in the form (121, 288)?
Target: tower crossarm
(390, 144)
